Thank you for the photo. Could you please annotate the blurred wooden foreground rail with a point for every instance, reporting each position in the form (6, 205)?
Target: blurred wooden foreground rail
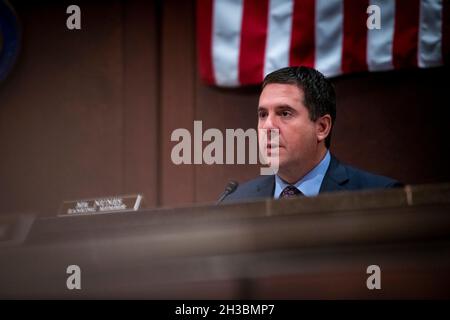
(304, 248)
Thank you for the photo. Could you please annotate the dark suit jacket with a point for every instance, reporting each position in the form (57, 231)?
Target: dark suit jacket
(339, 177)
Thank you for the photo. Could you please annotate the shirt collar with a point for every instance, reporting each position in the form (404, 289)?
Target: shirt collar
(310, 184)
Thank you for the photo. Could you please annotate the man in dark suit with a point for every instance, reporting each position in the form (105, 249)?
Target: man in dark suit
(300, 103)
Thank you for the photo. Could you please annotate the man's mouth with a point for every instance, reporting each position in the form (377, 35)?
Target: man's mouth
(273, 146)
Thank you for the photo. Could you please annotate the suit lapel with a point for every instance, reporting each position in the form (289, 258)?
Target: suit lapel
(265, 188)
(336, 177)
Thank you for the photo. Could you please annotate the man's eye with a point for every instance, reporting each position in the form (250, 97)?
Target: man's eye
(286, 113)
(262, 114)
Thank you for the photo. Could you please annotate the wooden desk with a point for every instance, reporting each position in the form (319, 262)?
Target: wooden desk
(304, 248)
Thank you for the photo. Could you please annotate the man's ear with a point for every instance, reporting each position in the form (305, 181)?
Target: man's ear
(323, 127)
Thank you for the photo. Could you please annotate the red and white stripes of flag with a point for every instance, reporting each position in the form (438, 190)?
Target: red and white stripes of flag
(240, 41)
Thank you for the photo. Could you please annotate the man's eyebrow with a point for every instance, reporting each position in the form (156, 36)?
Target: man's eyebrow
(284, 107)
(278, 108)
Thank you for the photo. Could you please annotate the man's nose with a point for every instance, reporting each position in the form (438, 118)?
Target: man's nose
(270, 122)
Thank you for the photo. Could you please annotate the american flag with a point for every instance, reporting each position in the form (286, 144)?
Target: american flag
(240, 41)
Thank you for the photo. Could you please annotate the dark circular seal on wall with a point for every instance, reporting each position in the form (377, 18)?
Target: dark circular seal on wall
(10, 34)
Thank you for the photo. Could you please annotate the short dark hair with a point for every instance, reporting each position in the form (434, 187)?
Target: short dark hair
(320, 97)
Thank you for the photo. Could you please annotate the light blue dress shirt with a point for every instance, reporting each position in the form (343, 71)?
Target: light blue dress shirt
(310, 184)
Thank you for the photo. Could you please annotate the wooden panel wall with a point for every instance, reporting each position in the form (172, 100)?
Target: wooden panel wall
(90, 113)
(78, 113)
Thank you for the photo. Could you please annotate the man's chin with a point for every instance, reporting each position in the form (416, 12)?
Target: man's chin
(275, 163)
